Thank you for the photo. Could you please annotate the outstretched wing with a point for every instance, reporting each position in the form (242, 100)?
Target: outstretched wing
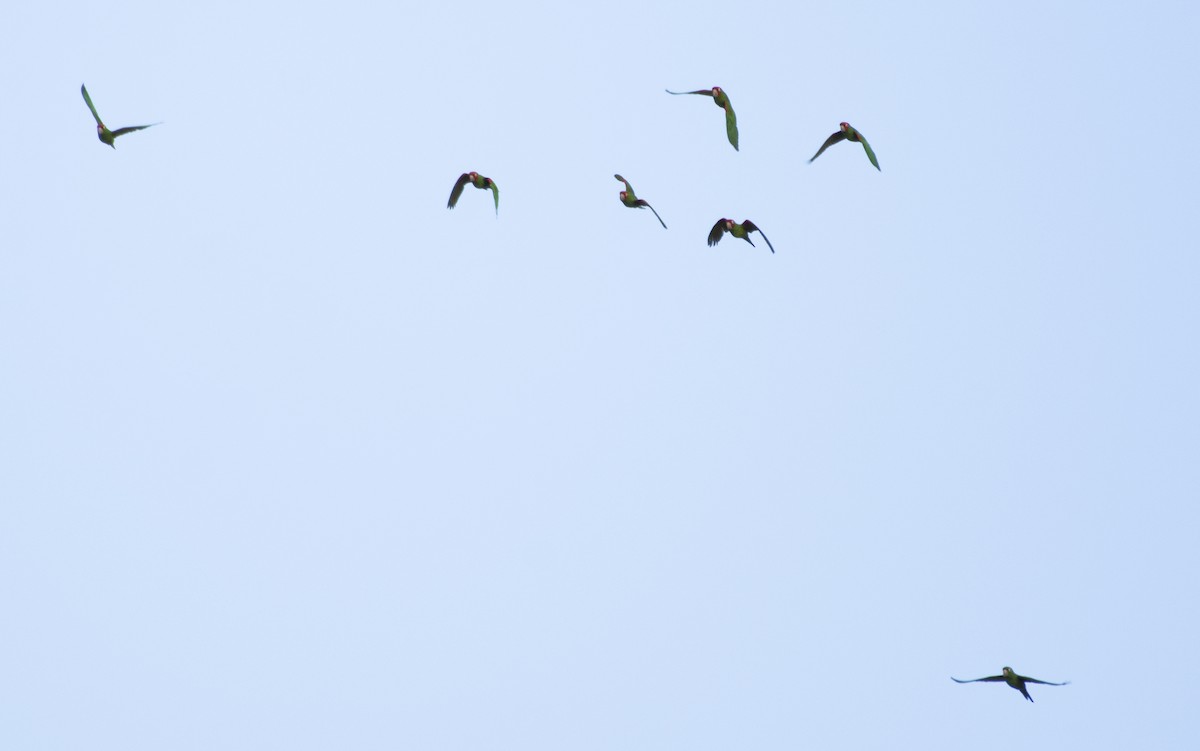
(750, 226)
(641, 203)
(92, 107)
(714, 235)
(628, 187)
(1044, 683)
(131, 128)
(495, 194)
(705, 92)
(838, 136)
(870, 153)
(989, 679)
(731, 126)
(458, 189)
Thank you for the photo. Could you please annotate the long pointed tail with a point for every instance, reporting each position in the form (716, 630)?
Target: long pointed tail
(769, 245)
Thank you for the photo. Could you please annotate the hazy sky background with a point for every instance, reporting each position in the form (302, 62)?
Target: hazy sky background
(293, 457)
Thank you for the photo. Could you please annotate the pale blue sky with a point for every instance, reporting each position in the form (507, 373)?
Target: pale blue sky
(293, 457)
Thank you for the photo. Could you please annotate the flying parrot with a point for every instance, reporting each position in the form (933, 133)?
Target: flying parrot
(742, 230)
(479, 181)
(1016, 681)
(105, 135)
(630, 199)
(722, 100)
(847, 133)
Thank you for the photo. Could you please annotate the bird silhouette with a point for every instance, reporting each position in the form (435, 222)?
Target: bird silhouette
(102, 132)
(630, 199)
(721, 99)
(1016, 681)
(479, 181)
(847, 133)
(742, 230)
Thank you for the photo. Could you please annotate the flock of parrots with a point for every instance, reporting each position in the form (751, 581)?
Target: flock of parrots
(741, 230)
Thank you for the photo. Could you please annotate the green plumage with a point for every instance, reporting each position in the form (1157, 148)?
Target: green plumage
(630, 199)
(848, 132)
(721, 99)
(741, 231)
(1009, 676)
(102, 132)
(477, 180)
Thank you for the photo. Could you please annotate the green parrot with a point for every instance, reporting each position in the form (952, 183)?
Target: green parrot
(1016, 681)
(630, 199)
(742, 230)
(108, 136)
(479, 181)
(847, 133)
(722, 100)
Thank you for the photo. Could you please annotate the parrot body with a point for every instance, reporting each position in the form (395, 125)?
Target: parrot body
(848, 132)
(105, 135)
(1008, 676)
(479, 181)
(742, 230)
(630, 199)
(721, 99)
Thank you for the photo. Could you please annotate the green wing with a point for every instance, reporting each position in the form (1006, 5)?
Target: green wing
(752, 227)
(628, 188)
(1035, 680)
(715, 234)
(839, 136)
(731, 125)
(495, 194)
(130, 129)
(870, 154)
(458, 189)
(91, 106)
